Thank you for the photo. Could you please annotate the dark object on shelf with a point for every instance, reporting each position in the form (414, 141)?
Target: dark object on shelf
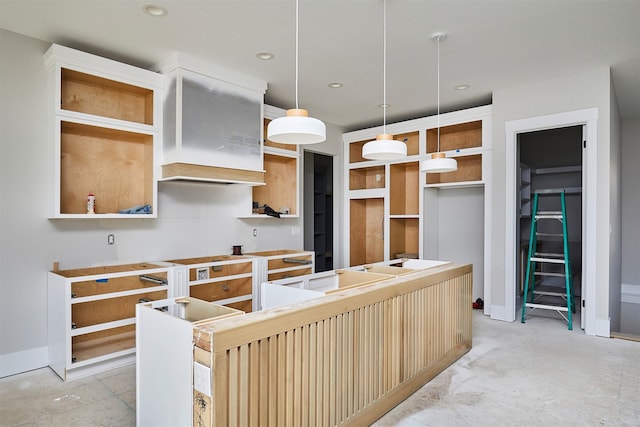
(237, 250)
(478, 304)
(268, 210)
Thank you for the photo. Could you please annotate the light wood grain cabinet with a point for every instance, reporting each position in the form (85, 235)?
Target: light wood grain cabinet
(104, 126)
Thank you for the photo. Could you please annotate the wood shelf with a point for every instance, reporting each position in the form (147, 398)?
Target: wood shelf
(85, 348)
(97, 96)
(280, 189)
(469, 169)
(405, 236)
(367, 178)
(115, 165)
(455, 137)
(366, 228)
(404, 193)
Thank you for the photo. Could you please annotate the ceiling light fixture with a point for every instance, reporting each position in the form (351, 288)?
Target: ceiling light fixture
(296, 127)
(384, 147)
(461, 87)
(335, 85)
(438, 162)
(265, 56)
(154, 10)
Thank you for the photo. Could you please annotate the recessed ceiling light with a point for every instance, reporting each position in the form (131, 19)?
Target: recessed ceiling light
(264, 55)
(154, 10)
(335, 85)
(461, 87)
(384, 105)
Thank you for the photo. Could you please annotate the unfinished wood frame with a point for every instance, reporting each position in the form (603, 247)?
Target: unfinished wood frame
(342, 359)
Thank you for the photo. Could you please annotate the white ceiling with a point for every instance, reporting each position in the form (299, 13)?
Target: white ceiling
(491, 44)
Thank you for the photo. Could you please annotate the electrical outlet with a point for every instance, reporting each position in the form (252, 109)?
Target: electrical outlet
(254, 233)
(378, 177)
(111, 239)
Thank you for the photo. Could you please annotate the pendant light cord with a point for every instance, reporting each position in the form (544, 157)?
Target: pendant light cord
(297, 36)
(384, 68)
(438, 65)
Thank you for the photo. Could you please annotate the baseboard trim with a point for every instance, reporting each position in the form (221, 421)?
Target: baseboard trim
(23, 361)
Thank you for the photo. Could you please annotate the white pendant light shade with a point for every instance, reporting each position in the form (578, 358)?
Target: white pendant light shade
(439, 163)
(384, 147)
(296, 128)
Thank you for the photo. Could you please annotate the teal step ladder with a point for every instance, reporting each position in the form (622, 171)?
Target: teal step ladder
(537, 293)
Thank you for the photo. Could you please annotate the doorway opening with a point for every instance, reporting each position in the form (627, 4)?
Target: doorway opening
(318, 208)
(550, 163)
(589, 118)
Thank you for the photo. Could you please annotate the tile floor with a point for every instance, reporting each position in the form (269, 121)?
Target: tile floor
(536, 374)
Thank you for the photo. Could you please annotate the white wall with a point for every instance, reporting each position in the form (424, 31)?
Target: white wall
(461, 230)
(615, 261)
(193, 219)
(563, 94)
(630, 217)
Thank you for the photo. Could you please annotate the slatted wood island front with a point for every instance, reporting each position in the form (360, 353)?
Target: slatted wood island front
(345, 358)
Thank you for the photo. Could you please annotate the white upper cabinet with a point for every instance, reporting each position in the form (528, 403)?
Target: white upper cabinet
(105, 122)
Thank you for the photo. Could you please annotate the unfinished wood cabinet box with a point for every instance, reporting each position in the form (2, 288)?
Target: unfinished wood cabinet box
(228, 280)
(164, 358)
(366, 229)
(105, 124)
(91, 315)
(410, 215)
(281, 176)
(340, 359)
(458, 138)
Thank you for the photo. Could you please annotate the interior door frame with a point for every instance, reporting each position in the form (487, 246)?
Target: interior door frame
(588, 119)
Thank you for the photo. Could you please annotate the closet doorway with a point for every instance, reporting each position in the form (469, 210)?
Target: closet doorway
(588, 119)
(318, 208)
(550, 162)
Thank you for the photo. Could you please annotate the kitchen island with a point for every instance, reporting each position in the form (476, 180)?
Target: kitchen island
(341, 358)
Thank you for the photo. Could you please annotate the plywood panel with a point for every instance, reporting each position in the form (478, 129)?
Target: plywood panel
(366, 178)
(85, 93)
(455, 137)
(404, 193)
(280, 179)
(469, 169)
(113, 165)
(366, 228)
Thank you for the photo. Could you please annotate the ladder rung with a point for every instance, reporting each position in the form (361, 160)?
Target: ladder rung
(546, 306)
(552, 260)
(549, 234)
(542, 273)
(550, 213)
(551, 294)
(549, 254)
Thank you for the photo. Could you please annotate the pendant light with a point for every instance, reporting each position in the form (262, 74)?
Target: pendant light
(384, 147)
(439, 162)
(296, 127)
